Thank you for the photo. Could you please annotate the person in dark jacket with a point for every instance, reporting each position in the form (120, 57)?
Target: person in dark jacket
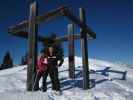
(52, 69)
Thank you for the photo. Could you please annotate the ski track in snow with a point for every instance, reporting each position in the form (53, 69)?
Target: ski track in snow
(109, 79)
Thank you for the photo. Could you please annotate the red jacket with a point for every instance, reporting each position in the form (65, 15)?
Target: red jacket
(41, 64)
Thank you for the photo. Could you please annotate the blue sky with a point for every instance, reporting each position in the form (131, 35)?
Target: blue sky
(112, 20)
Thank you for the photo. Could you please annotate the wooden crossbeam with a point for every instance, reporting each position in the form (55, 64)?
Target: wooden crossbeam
(45, 40)
(62, 11)
(82, 25)
(24, 35)
(42, 18)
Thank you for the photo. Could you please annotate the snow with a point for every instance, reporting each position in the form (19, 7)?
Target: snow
(109, 81)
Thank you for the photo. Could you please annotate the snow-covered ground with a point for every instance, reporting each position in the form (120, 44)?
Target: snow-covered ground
(109, 81)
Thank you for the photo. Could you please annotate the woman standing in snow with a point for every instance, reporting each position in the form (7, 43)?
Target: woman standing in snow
(40, 69)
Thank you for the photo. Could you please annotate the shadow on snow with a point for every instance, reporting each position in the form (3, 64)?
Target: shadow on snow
(67, 83)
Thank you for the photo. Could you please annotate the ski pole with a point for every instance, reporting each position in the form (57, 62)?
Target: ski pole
(35, 81)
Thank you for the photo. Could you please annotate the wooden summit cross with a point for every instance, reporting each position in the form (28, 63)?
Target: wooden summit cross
(31, 34)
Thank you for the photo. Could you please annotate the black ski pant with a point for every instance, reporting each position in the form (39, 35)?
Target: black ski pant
(37, 79)
(52, 71)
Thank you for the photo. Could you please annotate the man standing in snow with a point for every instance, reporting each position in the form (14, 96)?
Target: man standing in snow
(53, 58)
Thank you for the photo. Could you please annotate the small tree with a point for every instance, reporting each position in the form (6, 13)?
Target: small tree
(7, 61)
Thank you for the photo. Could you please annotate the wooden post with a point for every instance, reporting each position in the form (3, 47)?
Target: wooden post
(32, 46)
(71, 50)
(84, 48)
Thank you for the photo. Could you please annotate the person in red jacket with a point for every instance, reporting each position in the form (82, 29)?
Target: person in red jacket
(41, 64)
(40, 69)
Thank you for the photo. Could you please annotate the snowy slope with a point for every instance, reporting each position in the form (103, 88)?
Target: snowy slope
(109, 81)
